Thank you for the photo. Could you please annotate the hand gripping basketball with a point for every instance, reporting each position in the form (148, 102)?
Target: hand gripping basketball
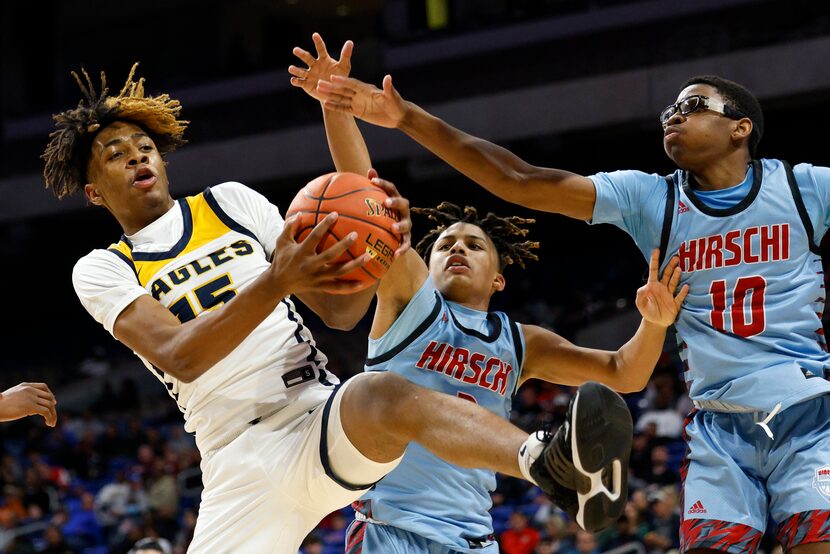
(361, 208)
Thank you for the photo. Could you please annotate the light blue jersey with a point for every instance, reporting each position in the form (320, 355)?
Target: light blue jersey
(462, 352)
(750, 330)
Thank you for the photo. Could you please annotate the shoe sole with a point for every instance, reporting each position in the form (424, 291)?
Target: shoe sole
(601, 436)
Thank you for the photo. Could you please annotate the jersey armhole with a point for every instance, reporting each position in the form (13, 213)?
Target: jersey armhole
(428, 320)
(802, 210)
(668, 218)
(520, 352)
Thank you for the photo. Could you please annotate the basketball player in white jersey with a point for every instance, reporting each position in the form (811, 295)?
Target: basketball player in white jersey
(200, 289)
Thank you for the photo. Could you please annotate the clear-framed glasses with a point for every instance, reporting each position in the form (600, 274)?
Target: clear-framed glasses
(697, 103)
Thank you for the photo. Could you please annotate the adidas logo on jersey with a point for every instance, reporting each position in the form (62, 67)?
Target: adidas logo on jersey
(697, 508)
(683, 208)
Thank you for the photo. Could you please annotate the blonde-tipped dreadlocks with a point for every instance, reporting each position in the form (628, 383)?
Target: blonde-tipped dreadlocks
(503, 231)
(67, 154)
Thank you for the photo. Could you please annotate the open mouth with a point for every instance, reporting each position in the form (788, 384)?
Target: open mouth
(456, 264)
(144, 178)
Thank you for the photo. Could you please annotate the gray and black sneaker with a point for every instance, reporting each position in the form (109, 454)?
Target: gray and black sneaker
(583, 467)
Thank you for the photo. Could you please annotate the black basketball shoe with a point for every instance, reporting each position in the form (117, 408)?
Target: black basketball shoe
(583, 467)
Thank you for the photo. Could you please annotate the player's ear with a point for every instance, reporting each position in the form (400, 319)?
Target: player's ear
(498, 282)
(92, 194)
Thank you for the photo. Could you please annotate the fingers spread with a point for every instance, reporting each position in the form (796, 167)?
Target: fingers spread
(297, 71)
(351, 265)
(346, 55)
(319, 45)
(681, 296)
(335, 250)
(319, 231)
(653, 265)
(304, 56)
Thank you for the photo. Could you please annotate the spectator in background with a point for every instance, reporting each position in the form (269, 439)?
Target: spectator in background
(520, 538)
(152, 546)
(584, 543)
(82, 528)
(185, 534)
(312, 545)
(659, 472)
(665, 521)
(55, 543)
(662, 419)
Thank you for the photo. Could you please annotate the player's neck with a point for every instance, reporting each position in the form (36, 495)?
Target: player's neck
(133, 222)
(724, 173)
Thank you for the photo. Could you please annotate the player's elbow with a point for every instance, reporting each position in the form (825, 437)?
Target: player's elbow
(179, 364)
(627, 386)
(629, 381)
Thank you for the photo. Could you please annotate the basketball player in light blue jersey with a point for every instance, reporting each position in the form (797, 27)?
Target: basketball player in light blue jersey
(432, 325)
(750, 333)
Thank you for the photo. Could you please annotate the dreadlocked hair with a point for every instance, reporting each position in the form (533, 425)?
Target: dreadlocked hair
(503, 231)
(67, 154)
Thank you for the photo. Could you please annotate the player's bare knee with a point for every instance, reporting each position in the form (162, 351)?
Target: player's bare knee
(392, 399)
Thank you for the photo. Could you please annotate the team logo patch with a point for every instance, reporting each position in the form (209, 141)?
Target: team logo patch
(821, 481)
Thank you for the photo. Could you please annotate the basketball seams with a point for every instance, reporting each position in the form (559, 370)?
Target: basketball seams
(324, 197)
(312, 211)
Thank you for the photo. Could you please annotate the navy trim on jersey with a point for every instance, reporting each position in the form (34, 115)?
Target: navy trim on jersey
(312, 357)
(757, 177)
(802, 210)
(187, 218)
(493, 321)
(125, 259)
(517, 345)
(169, 386)
(324, 449)
(224, 217)
(389, 354)
(668, 217)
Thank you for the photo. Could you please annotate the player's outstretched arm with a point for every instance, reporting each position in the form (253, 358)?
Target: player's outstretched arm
(28, 399)
(346, 144)
(186, 350)
(491, 166)
(554, 359)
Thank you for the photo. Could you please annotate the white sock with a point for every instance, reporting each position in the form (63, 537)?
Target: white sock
(528, 452)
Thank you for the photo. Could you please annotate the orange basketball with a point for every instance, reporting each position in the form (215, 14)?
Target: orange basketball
(359, 205)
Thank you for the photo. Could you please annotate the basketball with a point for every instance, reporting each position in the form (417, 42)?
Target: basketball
(359, 205)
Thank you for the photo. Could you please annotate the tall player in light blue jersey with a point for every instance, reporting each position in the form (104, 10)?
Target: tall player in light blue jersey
(432, 325)
(750, 333)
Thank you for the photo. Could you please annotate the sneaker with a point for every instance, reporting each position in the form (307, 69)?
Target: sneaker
(583, 468)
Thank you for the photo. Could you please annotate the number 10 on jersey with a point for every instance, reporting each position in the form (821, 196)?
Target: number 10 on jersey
(747, 312)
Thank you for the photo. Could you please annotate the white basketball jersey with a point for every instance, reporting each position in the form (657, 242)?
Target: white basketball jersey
(193, 259)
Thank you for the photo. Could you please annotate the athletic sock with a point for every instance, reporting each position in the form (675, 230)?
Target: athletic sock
(528, 452)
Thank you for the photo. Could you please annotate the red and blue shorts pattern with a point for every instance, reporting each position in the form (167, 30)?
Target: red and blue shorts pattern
(736, 478)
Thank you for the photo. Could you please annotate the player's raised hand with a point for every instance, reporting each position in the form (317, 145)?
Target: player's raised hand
(28, 399)
(297, 267)
(384, 107)
(323, 67)
(656, 299)
(401, 205)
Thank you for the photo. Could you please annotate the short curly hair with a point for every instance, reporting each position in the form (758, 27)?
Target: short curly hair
(67, 155)
(505, 232)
